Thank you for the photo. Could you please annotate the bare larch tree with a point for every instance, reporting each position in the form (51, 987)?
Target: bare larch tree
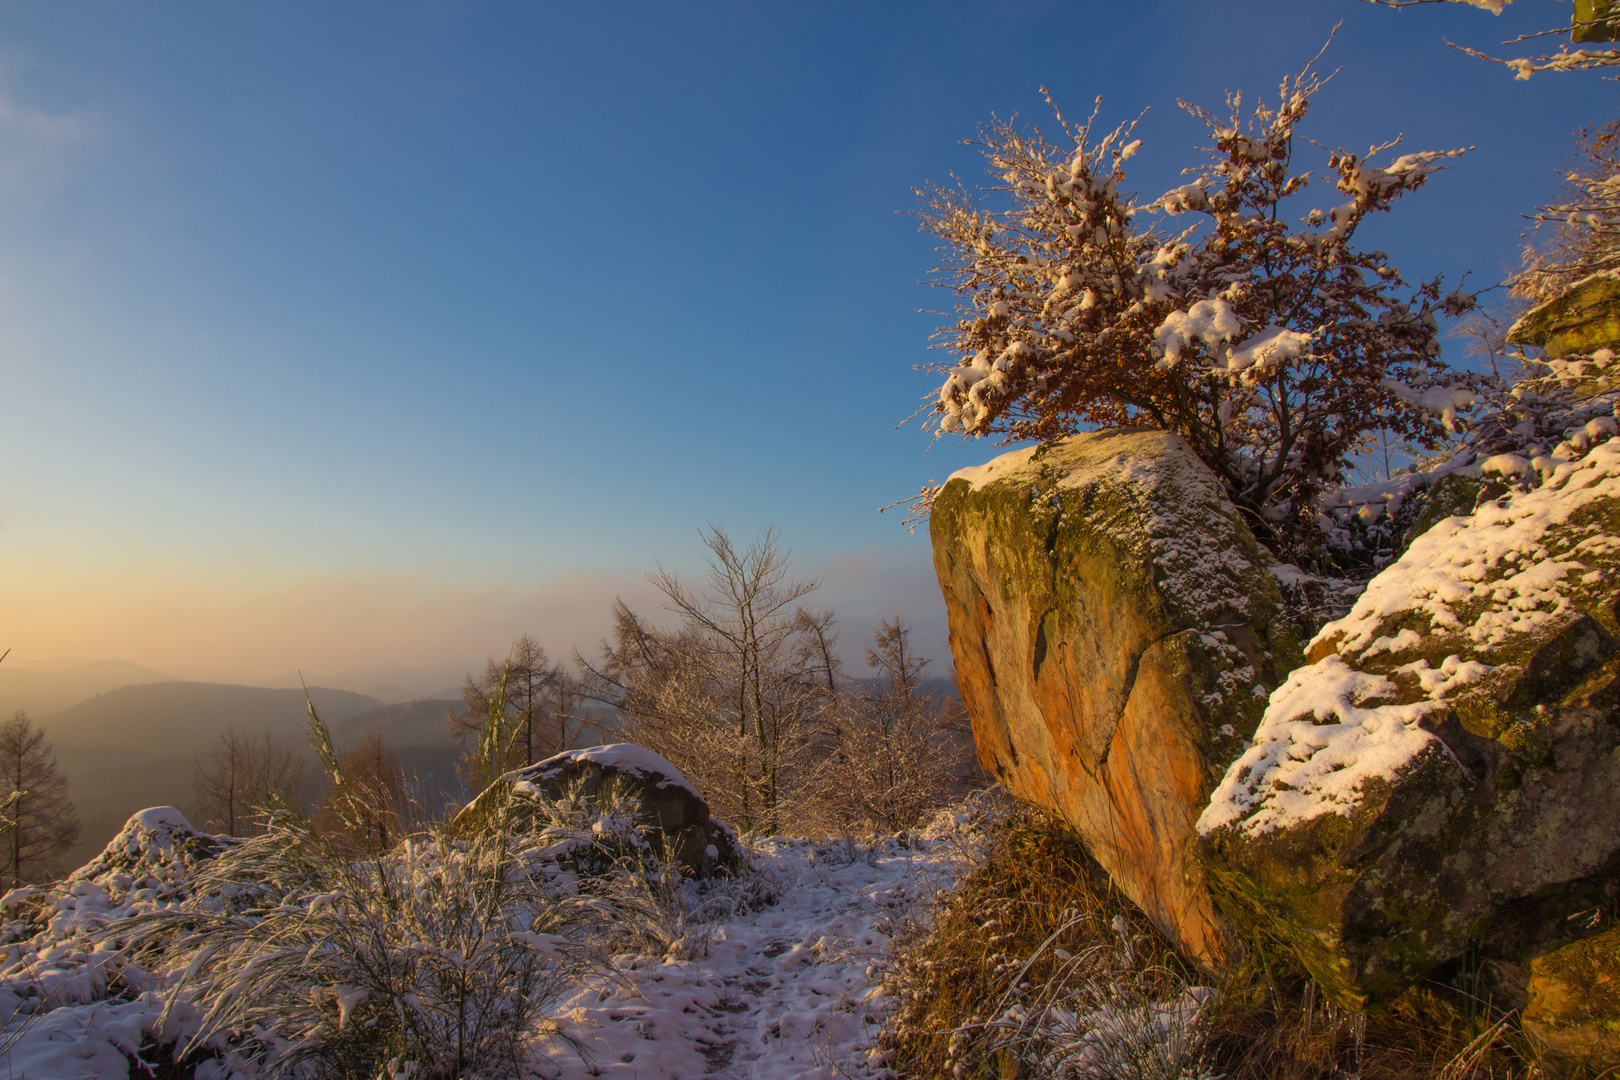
(243, 776)
(41, 823)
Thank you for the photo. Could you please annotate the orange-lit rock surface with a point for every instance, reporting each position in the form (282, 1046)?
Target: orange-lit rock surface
(1115, 629)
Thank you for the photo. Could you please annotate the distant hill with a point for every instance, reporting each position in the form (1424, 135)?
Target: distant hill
(389, 684)
(51, 687)
(137, 723)
(411, 723)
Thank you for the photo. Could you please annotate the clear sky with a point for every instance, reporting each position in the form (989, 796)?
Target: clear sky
(347, 334)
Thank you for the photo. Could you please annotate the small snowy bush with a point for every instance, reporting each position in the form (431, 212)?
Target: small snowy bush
(442, 954)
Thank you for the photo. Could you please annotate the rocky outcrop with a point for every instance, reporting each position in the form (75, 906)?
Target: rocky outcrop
(157, 850)
(1115, 630)
(672, 815)
(1577, 322)
(1444, 769)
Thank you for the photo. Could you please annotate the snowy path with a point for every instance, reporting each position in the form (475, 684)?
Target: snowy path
(786, 991)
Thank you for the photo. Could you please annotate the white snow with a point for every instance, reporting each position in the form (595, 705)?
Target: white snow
(1273, 347)
(1473, 582)
(1441, 401)
(1491, 575)
(55, 978)
(785, 992)
(1210, 321)
(626, 758)
(1324, 736)
(789, 990)
(1000, 467)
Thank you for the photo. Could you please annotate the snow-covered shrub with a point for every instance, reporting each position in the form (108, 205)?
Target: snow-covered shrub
(1580, 235)
(589, 835)
(1276, 351)
(310, 962)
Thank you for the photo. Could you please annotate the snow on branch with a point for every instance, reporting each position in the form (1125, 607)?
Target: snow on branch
(1269, 346)
(1565, 59)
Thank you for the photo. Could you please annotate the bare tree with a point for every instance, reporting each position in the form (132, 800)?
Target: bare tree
(733, 694)
(241, 777)
(531, 700)
(892, 756)
(42, 823)
(376, 786)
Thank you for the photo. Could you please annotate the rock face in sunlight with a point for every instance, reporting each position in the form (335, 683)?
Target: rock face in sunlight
(1442, 775)
(670, 810)
(1116, 629)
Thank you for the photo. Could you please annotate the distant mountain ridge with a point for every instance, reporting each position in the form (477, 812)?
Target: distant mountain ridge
(50, 687)
(136, 723)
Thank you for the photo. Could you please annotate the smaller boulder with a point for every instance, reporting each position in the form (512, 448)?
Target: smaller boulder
(671, 811)
(157, 849)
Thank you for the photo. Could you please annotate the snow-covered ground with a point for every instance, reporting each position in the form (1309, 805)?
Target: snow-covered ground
(788, 989)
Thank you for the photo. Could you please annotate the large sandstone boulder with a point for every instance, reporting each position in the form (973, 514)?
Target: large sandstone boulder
(1115, 629)
(670, 812)
(1445, 769)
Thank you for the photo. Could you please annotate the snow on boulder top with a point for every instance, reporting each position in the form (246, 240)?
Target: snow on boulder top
(1001, 468)
(1468, 602)
(1507, 570)
(1149, 494)
(159, 819)
(1323, 737)
(156, 845)
(627, 758)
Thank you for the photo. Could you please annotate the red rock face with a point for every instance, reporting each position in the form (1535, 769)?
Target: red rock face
(1099, 674)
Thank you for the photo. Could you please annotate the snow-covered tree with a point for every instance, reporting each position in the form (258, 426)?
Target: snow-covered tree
(1582, 232)
(1277, 350)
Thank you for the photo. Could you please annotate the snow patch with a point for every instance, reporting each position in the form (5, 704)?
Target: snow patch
(1324, 736)
(1493, 575)
(627, 758)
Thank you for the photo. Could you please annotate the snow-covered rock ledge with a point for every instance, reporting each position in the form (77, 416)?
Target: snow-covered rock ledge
(1452, 747)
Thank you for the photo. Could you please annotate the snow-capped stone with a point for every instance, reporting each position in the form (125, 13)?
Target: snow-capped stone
(671, 811)
(1449, 755)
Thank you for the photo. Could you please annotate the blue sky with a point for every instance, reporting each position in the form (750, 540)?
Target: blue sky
(429, 314)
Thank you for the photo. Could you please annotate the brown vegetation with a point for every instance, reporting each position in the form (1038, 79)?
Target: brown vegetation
(1035, 943)
(242, 776)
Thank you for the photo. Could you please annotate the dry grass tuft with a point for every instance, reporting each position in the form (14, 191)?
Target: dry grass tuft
(1276, 1026)
(1037, 920)
(1036, 966)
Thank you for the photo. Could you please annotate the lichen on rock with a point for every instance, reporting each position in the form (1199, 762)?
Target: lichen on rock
(1116, 629)
(1449, 754)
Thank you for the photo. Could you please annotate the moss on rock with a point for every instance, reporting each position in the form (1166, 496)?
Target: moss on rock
(1491, 648)
(1115, 628)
